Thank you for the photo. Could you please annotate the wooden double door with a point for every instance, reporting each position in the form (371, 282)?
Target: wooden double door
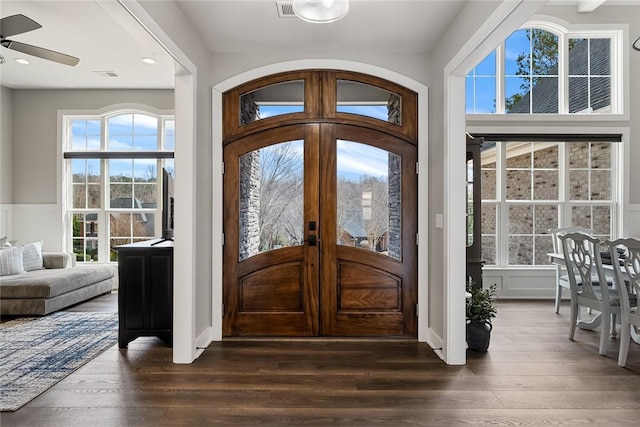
(320, 232)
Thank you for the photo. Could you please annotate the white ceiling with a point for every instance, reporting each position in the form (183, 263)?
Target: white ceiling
(106, 38)
(101, 33)
(372, 26)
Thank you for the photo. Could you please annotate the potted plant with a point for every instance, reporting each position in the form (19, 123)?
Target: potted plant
(481, 308)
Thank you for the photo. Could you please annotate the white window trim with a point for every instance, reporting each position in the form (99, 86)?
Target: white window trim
(64, 174)
(619, 190)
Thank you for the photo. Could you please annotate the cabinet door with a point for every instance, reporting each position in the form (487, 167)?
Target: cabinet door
(132, 276)
(160, 292)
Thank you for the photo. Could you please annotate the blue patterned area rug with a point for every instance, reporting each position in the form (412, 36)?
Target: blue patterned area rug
(37, 352)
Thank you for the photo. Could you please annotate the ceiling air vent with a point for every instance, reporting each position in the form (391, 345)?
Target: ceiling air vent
(107, 73)
(285, 9)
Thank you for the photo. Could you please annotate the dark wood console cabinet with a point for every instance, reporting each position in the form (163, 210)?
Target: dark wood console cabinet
(145, 294)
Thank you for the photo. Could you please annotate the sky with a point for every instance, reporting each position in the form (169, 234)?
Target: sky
(485, 73)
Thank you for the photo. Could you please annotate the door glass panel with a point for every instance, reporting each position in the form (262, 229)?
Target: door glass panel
(369, 198)
(370, 101)
(274, 100)
(271, 198)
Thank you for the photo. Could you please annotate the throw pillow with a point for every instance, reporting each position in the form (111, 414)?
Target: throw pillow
(32, 256)
(11, 261)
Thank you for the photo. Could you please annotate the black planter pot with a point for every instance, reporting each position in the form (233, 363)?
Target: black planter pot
(478, 335)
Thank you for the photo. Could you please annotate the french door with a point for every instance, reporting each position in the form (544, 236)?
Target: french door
(320, 230)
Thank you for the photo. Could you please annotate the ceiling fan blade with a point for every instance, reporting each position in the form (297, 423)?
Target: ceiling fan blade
(41, 52)
(17, 24)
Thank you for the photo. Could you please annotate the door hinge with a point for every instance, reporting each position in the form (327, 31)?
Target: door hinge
(417, 310)
(222, 309)
(417, 168)
(222, 171)
(417, 239)
(222, 239)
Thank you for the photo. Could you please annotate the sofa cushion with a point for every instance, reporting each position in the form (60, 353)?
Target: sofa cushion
(11, 261)
(58, 260)
(32, 256)
(49, 283)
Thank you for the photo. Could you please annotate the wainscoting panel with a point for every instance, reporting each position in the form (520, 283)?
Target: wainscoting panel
(33, 223)
(632, 222)
(6, 221)
(521, 283)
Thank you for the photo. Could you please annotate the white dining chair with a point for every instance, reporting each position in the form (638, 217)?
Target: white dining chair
(562, 279)
(627, 277)
(584, 264)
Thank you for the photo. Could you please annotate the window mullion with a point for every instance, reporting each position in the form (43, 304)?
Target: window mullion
(160, 133)
(563, 73)
(500, 78)
(563, 176)
(503, 212)
(103, 224)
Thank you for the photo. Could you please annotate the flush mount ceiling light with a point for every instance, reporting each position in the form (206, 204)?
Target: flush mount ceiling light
(320, 11)
(22, 61)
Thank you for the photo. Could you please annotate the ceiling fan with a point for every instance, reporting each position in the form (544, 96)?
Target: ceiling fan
(18, 24)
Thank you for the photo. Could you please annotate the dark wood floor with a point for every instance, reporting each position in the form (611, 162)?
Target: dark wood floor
(532, 375)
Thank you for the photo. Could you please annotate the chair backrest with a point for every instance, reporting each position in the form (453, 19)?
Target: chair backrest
(582, 253)
(627, 275)
(557, 232)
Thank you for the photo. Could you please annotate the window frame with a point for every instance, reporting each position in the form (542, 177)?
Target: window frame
(104, 155)
(619, 103)
(564, 203)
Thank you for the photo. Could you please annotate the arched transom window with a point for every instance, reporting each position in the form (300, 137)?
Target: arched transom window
(546, 69)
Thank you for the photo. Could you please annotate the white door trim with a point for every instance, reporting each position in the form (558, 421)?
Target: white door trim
(423, 159)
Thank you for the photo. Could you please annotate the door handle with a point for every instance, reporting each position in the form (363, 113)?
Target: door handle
(312, 240)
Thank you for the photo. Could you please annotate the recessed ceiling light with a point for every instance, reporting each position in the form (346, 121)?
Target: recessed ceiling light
(148, 60)
(22, 61)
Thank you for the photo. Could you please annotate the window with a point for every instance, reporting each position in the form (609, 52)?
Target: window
(481, 87)
(368, 100)
(111, 190)
(275, 100)
(545, 69)
(530, 187)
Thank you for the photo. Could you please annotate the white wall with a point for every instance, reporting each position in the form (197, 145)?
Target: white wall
(477, 30)
(36, 132)
(6, 221)
(227, 65)
(6, 140)
(192, 292)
